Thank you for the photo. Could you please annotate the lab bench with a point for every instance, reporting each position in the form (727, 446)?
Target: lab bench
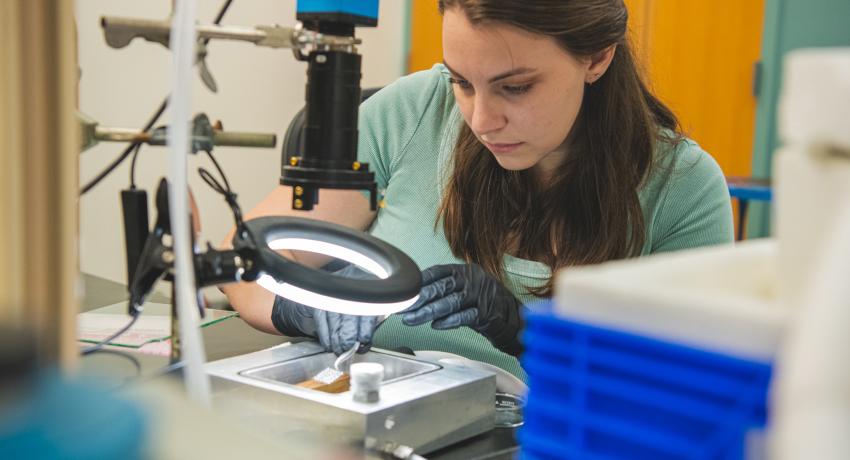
(233, 337)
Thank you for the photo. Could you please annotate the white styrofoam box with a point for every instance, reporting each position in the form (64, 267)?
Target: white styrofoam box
(810, 401)
(814, 104)
(721, 298)
(808, 189)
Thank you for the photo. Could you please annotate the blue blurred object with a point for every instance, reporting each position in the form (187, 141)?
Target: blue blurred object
(750, 189)
(606, 394)
(58, 419)
(361, 8)
(746, 189)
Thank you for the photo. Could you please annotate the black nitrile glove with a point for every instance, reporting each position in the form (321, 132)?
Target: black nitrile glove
(336, 332)
(465, 295)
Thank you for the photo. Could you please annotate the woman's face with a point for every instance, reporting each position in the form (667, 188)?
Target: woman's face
(520, 93)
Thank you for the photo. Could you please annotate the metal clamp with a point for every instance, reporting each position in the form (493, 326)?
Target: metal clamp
(119, 32)
(204, 135)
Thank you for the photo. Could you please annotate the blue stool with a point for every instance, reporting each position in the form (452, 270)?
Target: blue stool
(746, 189)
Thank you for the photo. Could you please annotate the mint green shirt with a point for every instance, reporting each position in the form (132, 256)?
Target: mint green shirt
(407, 135)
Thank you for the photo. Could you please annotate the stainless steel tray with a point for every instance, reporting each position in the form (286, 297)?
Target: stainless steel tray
(423, 405)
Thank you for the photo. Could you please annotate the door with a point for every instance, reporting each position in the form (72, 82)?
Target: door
(789, 25)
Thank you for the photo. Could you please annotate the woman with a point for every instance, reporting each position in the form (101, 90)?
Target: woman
(534, 147)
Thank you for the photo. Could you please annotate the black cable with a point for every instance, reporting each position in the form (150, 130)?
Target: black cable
(126, 153)
(108, 340)
(106, 171)
(122, 354)
(220, 16)
(220, 172)
(224, 190)
(133, 166)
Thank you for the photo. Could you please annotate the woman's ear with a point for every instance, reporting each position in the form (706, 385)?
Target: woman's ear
(599, 63)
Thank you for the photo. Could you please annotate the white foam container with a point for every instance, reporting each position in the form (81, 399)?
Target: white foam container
(722, 299)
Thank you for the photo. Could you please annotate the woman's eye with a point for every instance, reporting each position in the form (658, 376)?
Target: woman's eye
(463, 84)
(517, 89)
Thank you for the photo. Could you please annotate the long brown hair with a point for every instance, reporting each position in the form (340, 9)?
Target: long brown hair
(591, 212)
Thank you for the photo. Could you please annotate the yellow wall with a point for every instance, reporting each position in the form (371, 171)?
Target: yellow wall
(699, 56)
(426, 40)
(702, 56)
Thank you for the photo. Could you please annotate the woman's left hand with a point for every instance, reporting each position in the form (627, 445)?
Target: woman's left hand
(465, 295)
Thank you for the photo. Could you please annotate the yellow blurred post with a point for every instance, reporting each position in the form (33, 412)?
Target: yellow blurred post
(426, 37)
(38, 174)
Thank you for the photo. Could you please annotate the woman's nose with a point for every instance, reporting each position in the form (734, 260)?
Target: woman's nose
(487, 116)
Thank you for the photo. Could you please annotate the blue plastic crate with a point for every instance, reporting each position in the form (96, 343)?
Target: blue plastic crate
(600, 393)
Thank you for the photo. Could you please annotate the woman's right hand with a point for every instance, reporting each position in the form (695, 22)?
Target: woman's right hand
(336, 332)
